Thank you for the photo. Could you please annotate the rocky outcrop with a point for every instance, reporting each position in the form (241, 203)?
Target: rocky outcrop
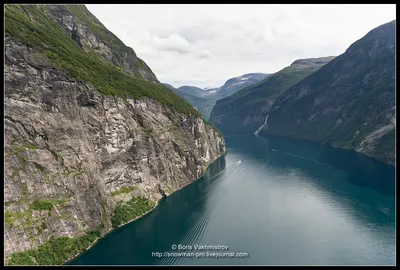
(70, 146)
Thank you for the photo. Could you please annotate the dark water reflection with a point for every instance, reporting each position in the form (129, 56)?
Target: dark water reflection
(288, 203)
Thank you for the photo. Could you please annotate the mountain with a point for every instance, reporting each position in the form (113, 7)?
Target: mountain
(202, 105)
(350, 102)
(192, 90)
(230, 87)
(170, 87)
(246, 110)
(92, 138)
(204, 100)
(233, 85)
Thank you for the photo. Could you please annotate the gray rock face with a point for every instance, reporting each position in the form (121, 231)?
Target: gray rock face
(65, 141)
(95, 37)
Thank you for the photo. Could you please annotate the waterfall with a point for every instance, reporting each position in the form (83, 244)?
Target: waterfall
(265, 122)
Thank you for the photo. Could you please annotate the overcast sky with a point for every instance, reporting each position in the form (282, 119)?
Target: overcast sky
(205, 45)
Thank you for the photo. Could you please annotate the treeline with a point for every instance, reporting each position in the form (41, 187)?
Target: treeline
(56, 251)
(135, 207)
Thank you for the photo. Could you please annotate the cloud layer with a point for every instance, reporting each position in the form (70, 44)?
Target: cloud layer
(204, 45)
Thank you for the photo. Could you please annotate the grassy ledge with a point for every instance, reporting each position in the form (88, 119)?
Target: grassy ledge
(135, 207)
(39, 205)
(123, 190)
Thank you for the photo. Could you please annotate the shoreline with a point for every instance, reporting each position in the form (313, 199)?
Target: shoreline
(265, 136)
(97, 239)
(138, 217)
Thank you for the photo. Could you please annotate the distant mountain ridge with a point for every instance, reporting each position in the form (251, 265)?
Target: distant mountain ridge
(204, 99)
(201, 104)
(245, 110)
(233, 85)
(192, 90)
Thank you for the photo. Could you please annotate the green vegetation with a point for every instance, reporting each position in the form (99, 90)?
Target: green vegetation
(77, 173)
(147, 131)
(10, 217)
(38, 167)
(31, 146)
(22, 258)
(87, 18)
(40, 205)
(54, 252)
(8, 203)
(48, 38)
(46, 204)
(214, 127)
(125, 212)
(17, 151)
(203, 105)
(123, 190)
(357, 87)
(24, 189)
(248, 101)
(42, 227)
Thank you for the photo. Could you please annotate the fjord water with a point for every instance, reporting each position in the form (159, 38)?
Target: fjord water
(287, 203)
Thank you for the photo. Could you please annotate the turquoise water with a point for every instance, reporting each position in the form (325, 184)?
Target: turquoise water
(286, 203)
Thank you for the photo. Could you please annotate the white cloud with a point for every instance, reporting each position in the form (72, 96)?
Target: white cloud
(172, 43)
(204, 45)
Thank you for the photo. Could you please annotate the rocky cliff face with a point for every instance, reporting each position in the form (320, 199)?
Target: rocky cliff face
(91, 35)
(349, 102)
(77, 151)
(246, 110)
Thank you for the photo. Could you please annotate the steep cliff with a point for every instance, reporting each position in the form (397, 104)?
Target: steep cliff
(92, 139)
(349, 102)
(247, 109)
(91, 35)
